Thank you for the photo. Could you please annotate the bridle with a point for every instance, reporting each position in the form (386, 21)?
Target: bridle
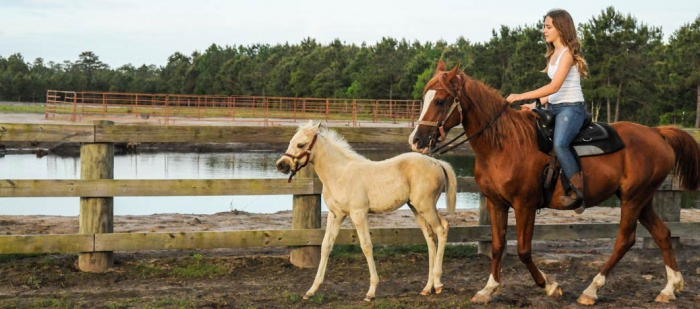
(441, 124)
(306, 154)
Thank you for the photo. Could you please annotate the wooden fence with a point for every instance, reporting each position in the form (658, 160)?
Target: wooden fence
(96, 189)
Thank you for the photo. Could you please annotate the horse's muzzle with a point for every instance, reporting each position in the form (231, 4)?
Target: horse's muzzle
(283, 165)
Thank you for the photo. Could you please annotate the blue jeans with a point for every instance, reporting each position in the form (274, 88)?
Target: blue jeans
(568, 121)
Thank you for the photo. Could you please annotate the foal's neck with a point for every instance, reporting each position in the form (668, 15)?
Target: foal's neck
(329, 160)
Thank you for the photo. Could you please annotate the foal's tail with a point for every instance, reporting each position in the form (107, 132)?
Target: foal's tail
(687, 156)
(450, 186)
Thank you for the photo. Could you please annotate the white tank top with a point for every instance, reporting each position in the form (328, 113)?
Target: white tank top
(570, 91)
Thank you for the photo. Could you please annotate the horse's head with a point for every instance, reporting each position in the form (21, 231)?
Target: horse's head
(442, 109)
(299, 151)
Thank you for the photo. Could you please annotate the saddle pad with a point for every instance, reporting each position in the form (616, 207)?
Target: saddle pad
(596, 139)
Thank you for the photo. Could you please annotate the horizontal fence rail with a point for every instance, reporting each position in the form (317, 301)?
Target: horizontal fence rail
(261, 109)
(71, 243)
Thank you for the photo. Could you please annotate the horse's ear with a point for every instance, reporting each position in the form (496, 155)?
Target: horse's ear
(453, 72)
(441, 66)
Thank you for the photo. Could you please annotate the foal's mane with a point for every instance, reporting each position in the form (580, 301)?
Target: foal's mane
(338, 141)
(512, 128)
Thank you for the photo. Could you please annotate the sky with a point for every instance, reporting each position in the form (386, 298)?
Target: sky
(149, 31)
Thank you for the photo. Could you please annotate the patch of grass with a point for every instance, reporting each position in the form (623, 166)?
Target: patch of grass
(50, 303)
(291, 297)
(34, 109)
(4, 258)
(318, 298)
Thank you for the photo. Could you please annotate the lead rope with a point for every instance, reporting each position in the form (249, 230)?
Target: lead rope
(448, 146)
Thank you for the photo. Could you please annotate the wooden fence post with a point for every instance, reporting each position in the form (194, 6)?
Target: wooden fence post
(306, 214)
(96, 213)
(667, 204)
(484, 219)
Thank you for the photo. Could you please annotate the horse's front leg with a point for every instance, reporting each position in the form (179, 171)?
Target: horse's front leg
(499, 224)
(359, 219)
(525, 225)
(332, 229)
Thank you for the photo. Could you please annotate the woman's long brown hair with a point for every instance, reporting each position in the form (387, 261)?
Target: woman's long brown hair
(563, 22)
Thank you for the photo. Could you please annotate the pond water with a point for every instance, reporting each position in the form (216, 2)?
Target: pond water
(239, 165)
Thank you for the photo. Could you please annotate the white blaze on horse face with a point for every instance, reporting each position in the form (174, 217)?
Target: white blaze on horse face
(429, 96)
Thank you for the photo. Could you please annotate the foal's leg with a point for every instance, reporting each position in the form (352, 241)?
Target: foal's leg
(499, 224)
(359, 218)
(525, 225)
(332, 229)
(662, 237)
(430, 240)
(625, 240)
(435, 226)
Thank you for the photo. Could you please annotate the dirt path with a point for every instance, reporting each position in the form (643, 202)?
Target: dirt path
(264, 278)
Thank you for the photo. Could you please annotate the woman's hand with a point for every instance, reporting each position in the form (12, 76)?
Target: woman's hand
(528, 107)
(514, 97)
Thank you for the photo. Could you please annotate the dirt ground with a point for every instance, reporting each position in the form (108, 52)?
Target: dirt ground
(264, 278)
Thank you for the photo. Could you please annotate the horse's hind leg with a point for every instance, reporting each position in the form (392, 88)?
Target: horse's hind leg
(625, 240)
(332, 229)
(359, 219)
(662, 236)
(430, 240)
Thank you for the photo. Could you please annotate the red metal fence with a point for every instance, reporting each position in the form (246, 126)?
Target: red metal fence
(165, 108)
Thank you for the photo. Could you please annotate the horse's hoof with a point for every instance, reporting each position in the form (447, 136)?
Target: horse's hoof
(480, 299)
(556, 294)
(664, 298)
(586, 300)
(438, 290)
(553, 290)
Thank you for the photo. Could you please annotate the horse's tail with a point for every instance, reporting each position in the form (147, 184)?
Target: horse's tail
(450, 186)
(687, 165)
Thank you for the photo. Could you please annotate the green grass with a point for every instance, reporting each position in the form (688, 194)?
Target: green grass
(23, 109)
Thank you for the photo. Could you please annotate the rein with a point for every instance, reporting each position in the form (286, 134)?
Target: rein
(306, 154)
(441, 150)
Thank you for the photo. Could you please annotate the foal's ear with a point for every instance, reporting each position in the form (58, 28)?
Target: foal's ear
(310, 123)
(440, 66)
(318, 126)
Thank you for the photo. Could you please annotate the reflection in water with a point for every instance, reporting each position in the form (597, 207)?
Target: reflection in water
(242, 165)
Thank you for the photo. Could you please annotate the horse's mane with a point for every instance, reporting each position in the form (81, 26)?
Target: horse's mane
(513, 127)
(338, 141)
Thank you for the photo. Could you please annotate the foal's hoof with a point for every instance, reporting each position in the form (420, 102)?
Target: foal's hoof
(438, 290)
(425, 293)
(368, 298)
(586, 300)
(308, 295)
(664, 298)
(480, 298)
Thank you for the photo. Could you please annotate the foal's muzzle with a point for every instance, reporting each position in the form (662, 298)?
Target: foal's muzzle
(284, 165)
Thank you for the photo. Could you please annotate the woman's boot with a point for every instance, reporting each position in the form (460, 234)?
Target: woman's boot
(574, 199)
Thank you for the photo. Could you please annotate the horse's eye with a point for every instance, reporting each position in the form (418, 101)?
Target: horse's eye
(439, 102)
(300, 146)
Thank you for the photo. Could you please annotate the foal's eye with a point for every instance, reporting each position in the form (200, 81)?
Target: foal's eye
(439, 102)
(301, 145)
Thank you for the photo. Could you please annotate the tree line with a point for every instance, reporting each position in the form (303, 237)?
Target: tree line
(634, 75)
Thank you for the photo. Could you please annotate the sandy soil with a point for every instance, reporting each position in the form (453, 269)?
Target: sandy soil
(264, 278)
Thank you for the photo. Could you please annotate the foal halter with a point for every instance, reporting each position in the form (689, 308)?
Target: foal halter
(306, 154)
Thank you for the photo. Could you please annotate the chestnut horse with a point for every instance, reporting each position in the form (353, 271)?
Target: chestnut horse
(509, 166)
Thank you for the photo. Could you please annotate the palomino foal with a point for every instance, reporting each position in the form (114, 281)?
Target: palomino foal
(355, 186)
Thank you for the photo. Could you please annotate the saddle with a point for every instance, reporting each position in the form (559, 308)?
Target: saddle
(594, 138)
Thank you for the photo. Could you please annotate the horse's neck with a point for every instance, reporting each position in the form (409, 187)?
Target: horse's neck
(329, 161)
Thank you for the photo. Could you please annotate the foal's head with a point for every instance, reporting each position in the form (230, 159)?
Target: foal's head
(299, 151)
(441, 109)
